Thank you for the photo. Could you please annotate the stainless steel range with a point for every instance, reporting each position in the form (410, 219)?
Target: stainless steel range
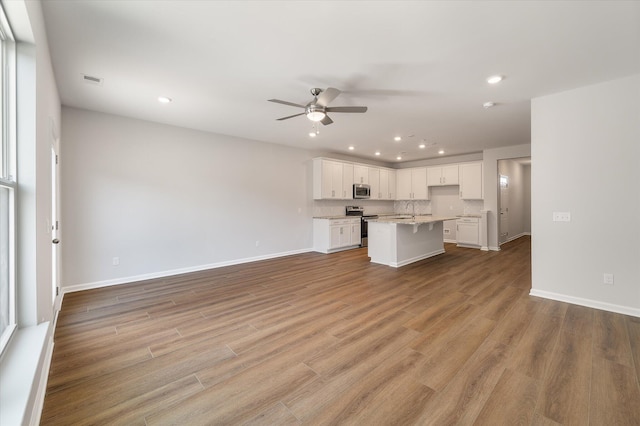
(359, 211)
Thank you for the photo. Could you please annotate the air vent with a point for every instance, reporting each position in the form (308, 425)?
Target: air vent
(92, 80)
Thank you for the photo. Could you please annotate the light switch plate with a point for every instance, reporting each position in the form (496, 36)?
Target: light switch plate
(562, 216)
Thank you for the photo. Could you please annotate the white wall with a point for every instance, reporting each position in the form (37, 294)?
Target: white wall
(586, 160)
(24, 366)
(165, 199)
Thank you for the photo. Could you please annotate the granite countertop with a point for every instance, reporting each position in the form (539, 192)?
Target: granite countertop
(470, 215)
(337, 217)
(412, 220)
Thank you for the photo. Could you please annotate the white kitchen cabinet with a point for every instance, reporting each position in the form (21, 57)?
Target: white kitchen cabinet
(392, 184)
(385, 193)
(442, 175)
(347, 181)
(330, 235)
(412, 184)
(471, 177)
(374, 183)
(332, 179)
(361, 174)
(468, 232)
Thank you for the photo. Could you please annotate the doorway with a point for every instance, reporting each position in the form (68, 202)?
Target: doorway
(514, 199)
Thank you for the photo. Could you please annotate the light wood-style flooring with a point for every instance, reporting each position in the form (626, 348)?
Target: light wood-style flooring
(333, 339)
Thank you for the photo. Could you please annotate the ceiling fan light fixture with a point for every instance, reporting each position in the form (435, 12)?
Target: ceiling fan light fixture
(316, 115)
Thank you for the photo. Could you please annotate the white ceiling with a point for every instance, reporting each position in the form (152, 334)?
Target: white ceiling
(420, 67)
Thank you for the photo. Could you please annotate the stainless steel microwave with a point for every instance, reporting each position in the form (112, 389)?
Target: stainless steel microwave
(361, 190)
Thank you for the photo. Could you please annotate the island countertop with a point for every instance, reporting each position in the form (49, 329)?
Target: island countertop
(412, 220)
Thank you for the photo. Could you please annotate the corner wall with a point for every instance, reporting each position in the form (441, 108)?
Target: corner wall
(586, 161)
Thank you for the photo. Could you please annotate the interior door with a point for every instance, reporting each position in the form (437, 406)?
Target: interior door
(55, 216)
(504, 208)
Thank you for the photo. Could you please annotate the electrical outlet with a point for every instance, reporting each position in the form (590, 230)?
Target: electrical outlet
(257, 243)
(115, 261)
(561, 216)
(608, 279)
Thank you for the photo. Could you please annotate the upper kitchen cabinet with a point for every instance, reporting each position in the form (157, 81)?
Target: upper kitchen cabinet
(442, 175)
(332, 180)
(471, 178)
(383, 183)
(361, 174)
(387, 184)
(412, 184)
(374, 182)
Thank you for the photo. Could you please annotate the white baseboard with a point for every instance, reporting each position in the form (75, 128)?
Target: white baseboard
(416, 259)
(515, 237)
(172, 272)
(625, 310)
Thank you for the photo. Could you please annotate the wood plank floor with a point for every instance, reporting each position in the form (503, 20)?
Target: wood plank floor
(334, 339)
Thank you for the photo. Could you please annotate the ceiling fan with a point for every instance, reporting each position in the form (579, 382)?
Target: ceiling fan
(317, 109)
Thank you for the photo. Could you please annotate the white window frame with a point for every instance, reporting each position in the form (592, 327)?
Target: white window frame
(8, 171)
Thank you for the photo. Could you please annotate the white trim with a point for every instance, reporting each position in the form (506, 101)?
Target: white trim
(38, 404)
(19, 374)
(164, 274)
(413, 259)
(494, 248)
(520, 235)
(449, 241)
(626, 310)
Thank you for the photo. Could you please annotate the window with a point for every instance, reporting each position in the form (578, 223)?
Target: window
(8, 186)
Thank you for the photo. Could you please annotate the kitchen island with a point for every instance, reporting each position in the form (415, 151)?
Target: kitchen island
(400, 240)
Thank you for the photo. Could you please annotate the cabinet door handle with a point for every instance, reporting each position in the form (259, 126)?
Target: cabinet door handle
(333, 192)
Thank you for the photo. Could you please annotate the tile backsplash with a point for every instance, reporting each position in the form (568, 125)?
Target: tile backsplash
(322, 208)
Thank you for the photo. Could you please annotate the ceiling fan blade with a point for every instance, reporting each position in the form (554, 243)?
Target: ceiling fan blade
(326, 120)
(347, 109)
(327, 96)
(291, 116)
(278, 101)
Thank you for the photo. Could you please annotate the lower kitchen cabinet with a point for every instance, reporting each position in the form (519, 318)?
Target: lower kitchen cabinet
(468, 232)
(330, 235)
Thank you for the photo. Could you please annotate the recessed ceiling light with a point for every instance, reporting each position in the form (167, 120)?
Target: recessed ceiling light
(377, 152)
(421, 146)
(488, 105)
(312, 134)
(351, 148)
(494, 79)
(164, 99)
(441, 152)
(397, 139)
(399, 157)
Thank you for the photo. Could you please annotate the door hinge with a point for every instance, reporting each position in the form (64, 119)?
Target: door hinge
(56, 158)
(57, 291)
(57, 225)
